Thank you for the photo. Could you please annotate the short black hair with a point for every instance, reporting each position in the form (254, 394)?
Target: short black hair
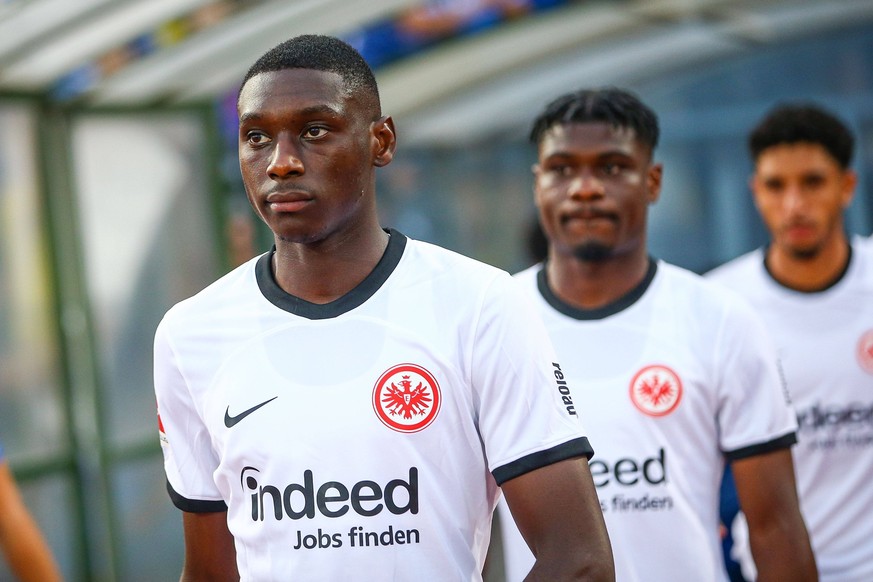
(619, 107)
(792, 123)
(320, 53)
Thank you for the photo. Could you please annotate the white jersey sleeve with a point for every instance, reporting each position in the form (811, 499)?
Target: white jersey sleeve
(513, 361)
(755, 414)
(189, 459)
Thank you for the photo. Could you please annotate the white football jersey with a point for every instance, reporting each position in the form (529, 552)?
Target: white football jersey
(675, 376)
(365, 438)
(825, 340)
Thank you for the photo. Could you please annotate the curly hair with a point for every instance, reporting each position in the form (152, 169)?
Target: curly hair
(803, 122)
(619, 107)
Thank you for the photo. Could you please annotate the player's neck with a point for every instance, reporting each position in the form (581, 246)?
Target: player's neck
(809, 274)
(596, 284)
(323, 272)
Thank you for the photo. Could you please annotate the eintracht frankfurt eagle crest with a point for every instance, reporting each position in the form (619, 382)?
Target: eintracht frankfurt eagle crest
(656, 390)
(406, 398)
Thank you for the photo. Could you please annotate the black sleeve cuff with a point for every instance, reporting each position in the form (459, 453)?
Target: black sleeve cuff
(194, 505)
(782, 442)
(579, 447)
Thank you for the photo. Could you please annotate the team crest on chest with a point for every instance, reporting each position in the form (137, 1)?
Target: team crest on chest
(406, 398)
(865, 351)
(656, 390)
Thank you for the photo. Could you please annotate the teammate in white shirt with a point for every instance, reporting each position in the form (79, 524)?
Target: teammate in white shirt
(349, 405)
(678, 375)
(813, 287)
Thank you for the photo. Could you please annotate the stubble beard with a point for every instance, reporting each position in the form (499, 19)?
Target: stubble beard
(592, 252)
(806, 254)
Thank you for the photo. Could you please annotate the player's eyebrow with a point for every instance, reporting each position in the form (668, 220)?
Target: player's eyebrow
(321, 109)
(249, 116)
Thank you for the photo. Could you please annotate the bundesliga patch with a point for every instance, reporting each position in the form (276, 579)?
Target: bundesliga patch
(656, 390)
(865, 351)
(406, 398)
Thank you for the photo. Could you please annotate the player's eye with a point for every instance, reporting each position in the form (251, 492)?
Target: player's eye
(257, 138)
(813, 181)
(314, 132)
(774, 185)
(563, 170)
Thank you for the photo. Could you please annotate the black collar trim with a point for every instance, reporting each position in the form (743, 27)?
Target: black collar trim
(616, 306)
(821, 289)
(351, 300)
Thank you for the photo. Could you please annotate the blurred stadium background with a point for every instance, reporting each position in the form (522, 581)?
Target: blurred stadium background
(120, 191)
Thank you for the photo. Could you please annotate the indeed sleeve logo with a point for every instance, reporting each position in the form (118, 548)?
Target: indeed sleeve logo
(656, 390)
(406, 398)
(564, 389)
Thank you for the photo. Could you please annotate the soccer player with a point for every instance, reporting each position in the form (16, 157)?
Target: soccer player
(813, 287)
(21, 541)
(348, 405)
(677, 374)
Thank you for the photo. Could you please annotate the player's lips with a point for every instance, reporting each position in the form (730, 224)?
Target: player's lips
(800, 229)
(291, 201)
(587, 215)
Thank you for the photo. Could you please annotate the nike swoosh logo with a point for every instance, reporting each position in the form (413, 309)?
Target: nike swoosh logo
(230, 421)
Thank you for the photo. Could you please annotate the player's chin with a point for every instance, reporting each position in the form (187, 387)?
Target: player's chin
(301, 232)
(291, 231)
(802, 249)
(297, 237)
(593, 250)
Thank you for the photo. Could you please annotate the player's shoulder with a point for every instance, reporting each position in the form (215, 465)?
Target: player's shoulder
(436, 262)
(528, 277)
(682, 278)
(222, 294)
(700, 294)
(738, 269)
(862, 255)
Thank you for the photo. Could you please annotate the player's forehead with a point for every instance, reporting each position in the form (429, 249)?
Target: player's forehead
(796, 158)
(588, 137)
(292, 89)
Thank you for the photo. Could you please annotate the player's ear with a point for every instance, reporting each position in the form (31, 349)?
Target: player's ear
(384, 141)
(850, 182)
(753, 182)
(536, 170)
(754, 188)
(653, 182)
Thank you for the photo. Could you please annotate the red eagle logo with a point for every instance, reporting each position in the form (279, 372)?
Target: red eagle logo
(406, 398)
(656, 390)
